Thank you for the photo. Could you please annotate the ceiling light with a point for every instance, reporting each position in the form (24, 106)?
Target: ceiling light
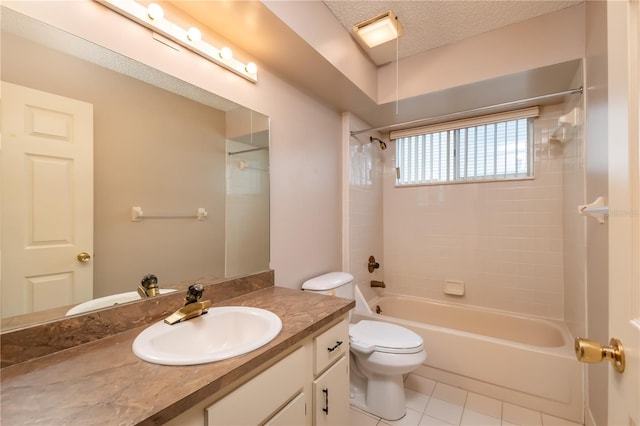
(379, 29)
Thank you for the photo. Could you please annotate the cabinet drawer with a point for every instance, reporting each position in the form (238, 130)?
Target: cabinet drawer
(259, 398)
(330, 345)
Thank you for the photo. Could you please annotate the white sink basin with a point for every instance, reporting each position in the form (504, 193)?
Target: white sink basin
(114, 299)
(222, 333)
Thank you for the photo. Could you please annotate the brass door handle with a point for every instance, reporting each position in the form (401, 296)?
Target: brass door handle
(83, 257)
(591, 352)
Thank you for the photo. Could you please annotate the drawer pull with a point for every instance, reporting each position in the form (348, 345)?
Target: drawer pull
(326, 400)
(338, 343)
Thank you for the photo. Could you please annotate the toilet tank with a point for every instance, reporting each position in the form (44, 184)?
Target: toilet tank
(333, 284)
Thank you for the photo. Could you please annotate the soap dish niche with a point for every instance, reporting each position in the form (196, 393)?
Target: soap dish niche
(454, 288)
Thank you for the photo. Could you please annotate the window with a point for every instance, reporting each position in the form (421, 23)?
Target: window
(495, 147)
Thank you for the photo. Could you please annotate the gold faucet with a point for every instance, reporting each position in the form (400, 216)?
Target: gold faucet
(148, 286)
(380, 284)
(192, 307)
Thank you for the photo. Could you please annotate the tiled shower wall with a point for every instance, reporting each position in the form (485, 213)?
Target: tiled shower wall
(365, 164)
(504, 240)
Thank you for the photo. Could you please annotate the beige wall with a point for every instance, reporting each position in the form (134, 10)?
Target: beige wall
(153, 149)
(597, 185)
(313, 21)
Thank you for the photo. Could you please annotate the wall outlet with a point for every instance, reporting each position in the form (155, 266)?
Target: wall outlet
(454, 288)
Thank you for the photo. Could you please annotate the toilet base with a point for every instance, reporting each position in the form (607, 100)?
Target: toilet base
(381, 396)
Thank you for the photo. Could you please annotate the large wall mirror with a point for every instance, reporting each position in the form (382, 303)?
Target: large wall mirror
(112, 170)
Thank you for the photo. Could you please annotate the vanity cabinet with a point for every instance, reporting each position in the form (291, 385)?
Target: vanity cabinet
(331, 395)
(294, 413)
(331, 376)
(309, 386)
(257, 400)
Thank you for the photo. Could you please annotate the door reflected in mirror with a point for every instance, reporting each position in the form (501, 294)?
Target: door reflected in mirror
(82, 145)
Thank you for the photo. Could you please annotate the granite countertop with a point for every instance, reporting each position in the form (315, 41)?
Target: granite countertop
(103, 382)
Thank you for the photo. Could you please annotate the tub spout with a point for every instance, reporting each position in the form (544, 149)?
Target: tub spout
(380, 284)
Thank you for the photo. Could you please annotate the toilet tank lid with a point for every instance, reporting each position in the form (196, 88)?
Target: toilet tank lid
(327, 281)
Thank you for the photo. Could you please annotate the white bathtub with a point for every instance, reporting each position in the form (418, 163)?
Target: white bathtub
(525, 361)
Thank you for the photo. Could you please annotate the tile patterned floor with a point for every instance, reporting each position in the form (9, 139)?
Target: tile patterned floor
(431, 403)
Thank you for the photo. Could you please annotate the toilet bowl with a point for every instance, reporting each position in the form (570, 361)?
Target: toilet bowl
(380, 353)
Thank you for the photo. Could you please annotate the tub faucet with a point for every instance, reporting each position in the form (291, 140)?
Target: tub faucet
(148, 286)
(380, 284)
(192, 307)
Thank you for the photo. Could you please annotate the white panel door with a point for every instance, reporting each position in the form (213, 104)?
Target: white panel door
(624, 206)
(47, 200)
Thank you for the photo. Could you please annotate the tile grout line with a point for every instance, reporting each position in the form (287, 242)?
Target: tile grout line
(423, 414)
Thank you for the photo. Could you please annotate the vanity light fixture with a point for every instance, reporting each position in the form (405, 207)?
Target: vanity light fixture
(251, 68)
(226, 53)
(155, 11)
(379, 29)
(152, 17)
(194, 34)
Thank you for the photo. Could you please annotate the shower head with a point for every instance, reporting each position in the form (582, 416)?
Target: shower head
(383, 145)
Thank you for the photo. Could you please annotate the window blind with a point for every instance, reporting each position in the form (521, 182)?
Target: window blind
(493, 147)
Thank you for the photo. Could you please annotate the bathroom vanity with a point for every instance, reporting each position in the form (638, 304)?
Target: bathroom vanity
(308, 386)
(294, 379)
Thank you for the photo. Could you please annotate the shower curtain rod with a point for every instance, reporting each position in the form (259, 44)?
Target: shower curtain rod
(469, 111)
(248, 150)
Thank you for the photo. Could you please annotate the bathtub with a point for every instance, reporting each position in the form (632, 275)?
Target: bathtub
(522, 360)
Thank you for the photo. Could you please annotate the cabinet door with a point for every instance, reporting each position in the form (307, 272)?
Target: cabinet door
(258, 399)
(294, 413)
(331, 395)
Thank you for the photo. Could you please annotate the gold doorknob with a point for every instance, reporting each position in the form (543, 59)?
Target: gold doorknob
(591, 352)
(83, 257)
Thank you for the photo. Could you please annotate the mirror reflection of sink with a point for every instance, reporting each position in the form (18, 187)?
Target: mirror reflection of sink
(222, 333)
(114, 299)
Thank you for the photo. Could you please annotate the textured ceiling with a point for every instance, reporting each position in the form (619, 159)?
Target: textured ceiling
(432, 23)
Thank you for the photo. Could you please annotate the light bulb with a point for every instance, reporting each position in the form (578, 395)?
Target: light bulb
(251, 68)
(226, 53)
(155, 11)
(194, 34)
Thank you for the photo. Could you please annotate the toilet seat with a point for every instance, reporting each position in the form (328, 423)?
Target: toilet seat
(375, 336)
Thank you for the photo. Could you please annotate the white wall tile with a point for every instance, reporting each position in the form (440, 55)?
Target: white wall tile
(500, 238)
(365, 211)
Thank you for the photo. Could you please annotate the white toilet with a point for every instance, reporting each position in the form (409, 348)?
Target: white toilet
(380, 352)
